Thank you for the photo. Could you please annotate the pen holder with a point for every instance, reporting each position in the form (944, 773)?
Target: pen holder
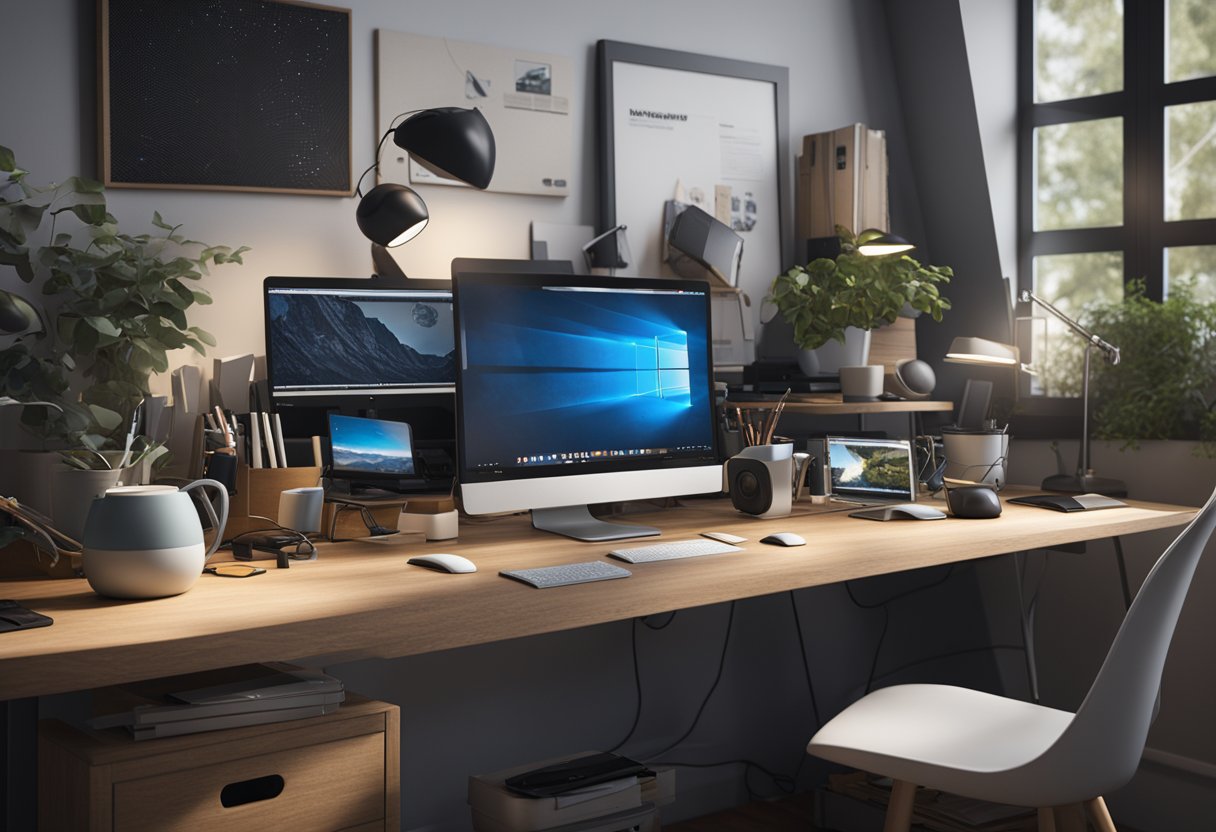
(257, 494)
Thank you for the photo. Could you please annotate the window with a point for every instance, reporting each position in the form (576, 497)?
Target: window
(1117, 155)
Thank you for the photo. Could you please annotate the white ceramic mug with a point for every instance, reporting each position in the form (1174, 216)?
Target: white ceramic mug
(861, 384)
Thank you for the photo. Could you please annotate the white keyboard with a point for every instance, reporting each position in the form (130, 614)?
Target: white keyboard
(544, 577)
(673, 550)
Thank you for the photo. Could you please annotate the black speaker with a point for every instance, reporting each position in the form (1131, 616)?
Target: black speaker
(760, 479)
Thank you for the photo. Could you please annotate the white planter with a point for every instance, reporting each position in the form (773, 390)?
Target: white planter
(828, 359)
(72, 495)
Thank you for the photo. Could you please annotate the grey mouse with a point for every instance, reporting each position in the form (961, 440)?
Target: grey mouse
(784, 539)
(977, 502)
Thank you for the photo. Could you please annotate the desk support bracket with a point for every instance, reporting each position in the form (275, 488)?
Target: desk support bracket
(1027, 616)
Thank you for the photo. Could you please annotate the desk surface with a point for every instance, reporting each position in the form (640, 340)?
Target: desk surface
(361, 600)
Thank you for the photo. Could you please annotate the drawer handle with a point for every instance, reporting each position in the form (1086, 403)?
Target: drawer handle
(251, 791)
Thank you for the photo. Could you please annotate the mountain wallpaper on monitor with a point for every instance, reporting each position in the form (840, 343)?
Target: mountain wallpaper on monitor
(328, 341)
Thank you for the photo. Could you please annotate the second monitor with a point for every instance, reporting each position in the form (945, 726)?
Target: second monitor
(572, 391)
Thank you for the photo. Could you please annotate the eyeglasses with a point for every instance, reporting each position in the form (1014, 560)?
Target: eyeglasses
(235, 570)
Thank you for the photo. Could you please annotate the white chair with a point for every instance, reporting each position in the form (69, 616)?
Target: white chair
(1007, 751)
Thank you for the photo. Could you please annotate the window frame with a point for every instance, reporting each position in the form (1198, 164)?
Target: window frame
(1145, 234)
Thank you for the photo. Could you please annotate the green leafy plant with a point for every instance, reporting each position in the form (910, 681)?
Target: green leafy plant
(114, 307)
(1164, 386)
(822, 298)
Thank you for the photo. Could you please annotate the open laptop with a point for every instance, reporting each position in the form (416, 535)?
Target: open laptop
(871, 471)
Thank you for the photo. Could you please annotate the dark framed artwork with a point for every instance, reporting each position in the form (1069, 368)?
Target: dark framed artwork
(234, 95)
(717, 129)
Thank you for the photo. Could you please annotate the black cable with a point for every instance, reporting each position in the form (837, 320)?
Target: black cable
(900, 595)
(806, 665)
(671, 616)
(784, 782)
(886, 622)
(949, 655)
(637, 683)
(886, 619)
(730, 620)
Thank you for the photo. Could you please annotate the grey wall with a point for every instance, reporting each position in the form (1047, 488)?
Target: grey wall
(836, 77)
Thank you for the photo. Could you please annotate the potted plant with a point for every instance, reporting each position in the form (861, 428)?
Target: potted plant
(114, 307)
(841, 300)
(1164, 386)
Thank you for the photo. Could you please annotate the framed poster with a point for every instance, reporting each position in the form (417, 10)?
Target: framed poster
(234, 95)
(713, 130)
(525, 96)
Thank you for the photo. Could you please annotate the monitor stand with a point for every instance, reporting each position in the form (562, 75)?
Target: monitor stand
(577, 522)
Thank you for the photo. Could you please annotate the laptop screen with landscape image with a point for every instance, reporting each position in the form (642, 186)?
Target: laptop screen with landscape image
(871, 470)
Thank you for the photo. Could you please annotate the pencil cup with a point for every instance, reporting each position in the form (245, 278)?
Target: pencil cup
(300, 509)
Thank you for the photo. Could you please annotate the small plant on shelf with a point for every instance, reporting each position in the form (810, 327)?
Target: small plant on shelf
(819, 300)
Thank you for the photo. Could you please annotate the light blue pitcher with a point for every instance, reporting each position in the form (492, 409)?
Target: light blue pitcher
(146, 541)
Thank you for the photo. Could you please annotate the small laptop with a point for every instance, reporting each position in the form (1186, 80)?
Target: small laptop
(871, 471)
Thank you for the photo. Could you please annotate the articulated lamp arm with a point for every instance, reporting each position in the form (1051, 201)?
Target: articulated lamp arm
(1109, 351)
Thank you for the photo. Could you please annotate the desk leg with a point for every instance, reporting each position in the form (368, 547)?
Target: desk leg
(18, 771)
(1127, 592)
(1027, 614)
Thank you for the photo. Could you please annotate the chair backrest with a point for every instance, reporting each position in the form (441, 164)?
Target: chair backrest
(1107, 735)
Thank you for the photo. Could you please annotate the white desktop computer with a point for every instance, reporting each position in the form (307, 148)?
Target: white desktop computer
(572, 391)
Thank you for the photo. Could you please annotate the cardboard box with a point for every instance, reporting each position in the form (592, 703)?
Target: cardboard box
(842, 180)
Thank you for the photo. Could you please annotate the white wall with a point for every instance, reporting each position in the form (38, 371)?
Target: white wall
(836, 77)
(990, 27)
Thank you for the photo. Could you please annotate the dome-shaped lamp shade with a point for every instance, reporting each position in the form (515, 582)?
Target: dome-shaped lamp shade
(880, 244)
(452, 142)
(391, 214)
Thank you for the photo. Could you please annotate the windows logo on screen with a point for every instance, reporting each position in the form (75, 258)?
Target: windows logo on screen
(662, 368)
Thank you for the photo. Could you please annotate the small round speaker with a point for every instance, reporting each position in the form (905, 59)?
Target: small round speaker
(912, 379)
(751, 486)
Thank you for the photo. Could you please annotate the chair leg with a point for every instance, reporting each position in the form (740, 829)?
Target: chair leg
(899, 809)
(1070, 818)
(1100, 815)
(1047, 819)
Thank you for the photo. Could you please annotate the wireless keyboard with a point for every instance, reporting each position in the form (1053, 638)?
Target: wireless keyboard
(568, 573)
(673, 550)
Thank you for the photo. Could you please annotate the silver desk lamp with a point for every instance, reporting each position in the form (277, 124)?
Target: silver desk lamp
(1083, 481)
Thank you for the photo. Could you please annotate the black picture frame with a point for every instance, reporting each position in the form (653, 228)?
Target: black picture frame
(611, 179)
(228, 95)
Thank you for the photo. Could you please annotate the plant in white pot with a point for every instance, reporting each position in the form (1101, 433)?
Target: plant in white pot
(833, 305)
(114, 307)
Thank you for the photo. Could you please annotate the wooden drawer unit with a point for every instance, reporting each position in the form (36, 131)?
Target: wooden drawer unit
(335, 772)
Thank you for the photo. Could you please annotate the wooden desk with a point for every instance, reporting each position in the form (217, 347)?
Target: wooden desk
(361, 600)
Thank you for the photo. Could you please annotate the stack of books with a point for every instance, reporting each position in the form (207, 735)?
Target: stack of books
(629, 804)
(245, 695)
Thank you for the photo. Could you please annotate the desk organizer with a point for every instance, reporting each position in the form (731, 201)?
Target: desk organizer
(257, 494)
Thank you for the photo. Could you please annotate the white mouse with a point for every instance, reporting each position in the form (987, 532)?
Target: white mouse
(444, 563)
(784, 539)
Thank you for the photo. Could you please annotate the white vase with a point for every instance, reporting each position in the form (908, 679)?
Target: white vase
(828, 359)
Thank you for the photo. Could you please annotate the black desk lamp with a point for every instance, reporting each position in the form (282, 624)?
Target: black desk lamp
(1084, 481)
(453, 142)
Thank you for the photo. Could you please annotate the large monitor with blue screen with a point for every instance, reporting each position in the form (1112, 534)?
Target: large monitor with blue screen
(572, 391)
(344, 341)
